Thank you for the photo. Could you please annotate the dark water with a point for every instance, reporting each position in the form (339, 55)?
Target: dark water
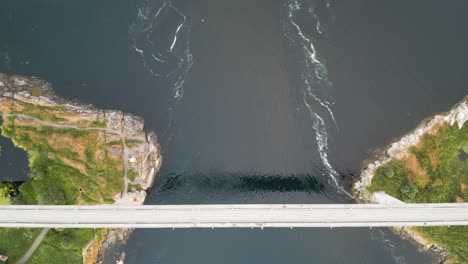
(253, 101)
(13, 162)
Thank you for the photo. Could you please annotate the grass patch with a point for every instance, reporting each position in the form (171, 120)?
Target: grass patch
(136, 187)
(81, 170)
(15, 248)
(47, 131)
(4, 200)
(63, 246)
(99, 124)
(133, 141)
(88, 199)
(45, 113)
(113, 143)
(131, 174)
(127, 142)
(32, 107)
(41, 116)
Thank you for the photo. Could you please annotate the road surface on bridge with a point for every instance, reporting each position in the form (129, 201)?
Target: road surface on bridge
(231, 215)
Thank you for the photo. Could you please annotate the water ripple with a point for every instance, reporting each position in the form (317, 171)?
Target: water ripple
(316, 85)
(160, 37)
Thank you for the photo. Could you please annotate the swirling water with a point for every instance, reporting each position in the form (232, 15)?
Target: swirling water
(253, 101)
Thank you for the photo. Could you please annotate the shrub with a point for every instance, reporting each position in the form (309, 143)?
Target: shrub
(52, 195)
(388, 172)
(421, 181)
(8, 131)
(409, 192)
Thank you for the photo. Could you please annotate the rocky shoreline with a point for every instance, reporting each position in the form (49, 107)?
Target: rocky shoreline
(140, 151)
(458, 115)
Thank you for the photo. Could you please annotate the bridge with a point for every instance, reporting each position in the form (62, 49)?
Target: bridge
(235, 215)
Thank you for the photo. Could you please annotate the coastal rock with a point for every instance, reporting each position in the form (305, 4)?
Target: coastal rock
(113, 119)
(458, 115)
(19, 80)
(133, 124)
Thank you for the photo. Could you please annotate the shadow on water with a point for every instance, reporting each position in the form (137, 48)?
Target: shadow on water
(277, 183)
(239, 182)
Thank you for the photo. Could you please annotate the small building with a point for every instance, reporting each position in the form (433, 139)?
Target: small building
(3, 258)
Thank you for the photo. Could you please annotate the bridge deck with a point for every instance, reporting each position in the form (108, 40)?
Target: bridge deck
(254, 216)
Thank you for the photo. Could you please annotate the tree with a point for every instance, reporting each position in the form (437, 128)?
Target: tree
(388, 172)
(8, 189)
(51, 195)
(409, 191)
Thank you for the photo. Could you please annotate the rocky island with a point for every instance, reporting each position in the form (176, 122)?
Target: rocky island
(428, 165)
(77, 154)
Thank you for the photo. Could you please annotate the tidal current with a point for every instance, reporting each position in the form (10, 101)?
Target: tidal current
(253, 102)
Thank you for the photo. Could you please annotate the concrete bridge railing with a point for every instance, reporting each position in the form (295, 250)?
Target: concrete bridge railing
(235, 215)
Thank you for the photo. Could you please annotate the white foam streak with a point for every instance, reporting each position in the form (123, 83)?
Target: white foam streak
(156, 58)
(179, 84)
(162, 62)
(140, 14)
(315, 74)
(159, 10)
(325, 104)
(319, 28)
(321, 137)
(142, 55)
(379, 235)
(178, 28)
(138, 50)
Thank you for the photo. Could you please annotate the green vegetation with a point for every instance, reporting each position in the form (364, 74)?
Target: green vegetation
(97, 123)
(46, 113)
(63, 246)
(28, 107)
(136, 187)
(7, 190)
(94, 123)
(441, 173)
(114, 143)
(15, 242)
(133, 141)
(98, 180)
(66, 166)
(131, 174)
(128, 142)
(433, 172)
(4, 200)
(49, 182)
